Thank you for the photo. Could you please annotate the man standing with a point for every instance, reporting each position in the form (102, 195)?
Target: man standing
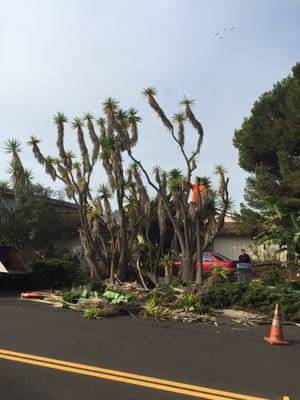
(244, 257)
(244, 267)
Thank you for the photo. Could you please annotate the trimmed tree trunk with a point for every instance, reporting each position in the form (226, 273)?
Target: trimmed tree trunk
(199, 273)
(122, 269)
(187, 267)
(168, 275)
(91, 258)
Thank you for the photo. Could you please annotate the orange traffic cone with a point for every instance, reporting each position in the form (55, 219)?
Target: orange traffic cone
(276, 336)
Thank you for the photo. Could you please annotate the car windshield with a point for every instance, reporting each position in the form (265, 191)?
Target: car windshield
(220, 256)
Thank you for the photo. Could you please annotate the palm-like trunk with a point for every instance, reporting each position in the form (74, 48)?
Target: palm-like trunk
(168, 276)
(199, 273)
(122, 269)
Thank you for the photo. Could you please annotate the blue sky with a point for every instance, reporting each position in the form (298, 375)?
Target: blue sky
(69, 55)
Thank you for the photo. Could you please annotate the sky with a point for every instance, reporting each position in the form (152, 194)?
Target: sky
(70, 55)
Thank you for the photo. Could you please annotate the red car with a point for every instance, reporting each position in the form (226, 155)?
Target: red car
(211, 259)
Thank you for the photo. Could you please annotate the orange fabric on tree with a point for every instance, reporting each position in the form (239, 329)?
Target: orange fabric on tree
(195, 192)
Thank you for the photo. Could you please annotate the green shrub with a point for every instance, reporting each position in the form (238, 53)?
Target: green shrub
(188, 302)
(52, 273)
(98, 286)
(166, 295)
(15, 282)
(153, 311)
(92, 313)
(254, 297)
(55, 273)
(217, 275)
(258, 297)
(192, 302)
(223, 295)
(155, 298)
(203, 309)
(272, 275)
(71, 297)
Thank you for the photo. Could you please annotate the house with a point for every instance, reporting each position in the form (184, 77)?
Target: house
(230, 241)
(61, 235)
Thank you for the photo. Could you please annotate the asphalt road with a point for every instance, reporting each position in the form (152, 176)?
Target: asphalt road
(236, 360)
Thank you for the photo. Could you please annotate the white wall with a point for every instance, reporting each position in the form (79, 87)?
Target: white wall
(231, 245)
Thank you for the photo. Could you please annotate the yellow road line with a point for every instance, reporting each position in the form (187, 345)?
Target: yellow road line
(134, 379)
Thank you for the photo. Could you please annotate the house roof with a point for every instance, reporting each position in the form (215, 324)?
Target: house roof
(62, 203)
(229, 228)
(67, 218)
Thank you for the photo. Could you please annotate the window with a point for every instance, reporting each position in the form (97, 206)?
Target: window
(220, 256)
(206, 257)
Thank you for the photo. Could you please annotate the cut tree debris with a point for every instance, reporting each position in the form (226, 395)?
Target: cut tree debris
(109, 308)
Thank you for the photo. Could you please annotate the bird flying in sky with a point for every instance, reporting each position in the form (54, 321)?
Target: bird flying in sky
(219, 35)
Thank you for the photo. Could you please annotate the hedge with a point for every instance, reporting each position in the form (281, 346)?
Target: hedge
(46, 274)
(255, 297)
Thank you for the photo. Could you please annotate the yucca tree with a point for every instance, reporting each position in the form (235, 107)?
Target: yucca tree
(133, 120)
(21, 178)
(161, 212)
(23, 219)
(139, 192)
(16, 169)
(105, 196)
(187, 219)
(166, 263)
(60, 119)
(112, 146)
(14, 147)
(88, 117)
(135, 226)
(110, 108)
(179, 118)
(118, 134)
(76, 177)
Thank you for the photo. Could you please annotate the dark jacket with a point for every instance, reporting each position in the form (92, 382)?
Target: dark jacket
(245, 259)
